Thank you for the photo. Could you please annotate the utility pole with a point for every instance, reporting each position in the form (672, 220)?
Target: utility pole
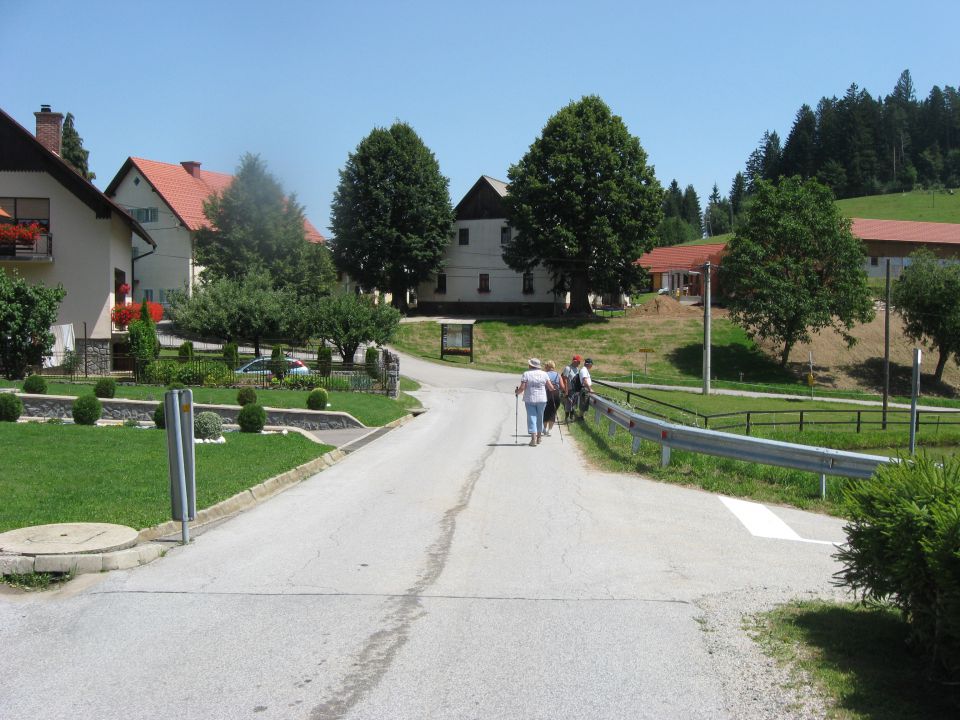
(706, 328)
(886, 348)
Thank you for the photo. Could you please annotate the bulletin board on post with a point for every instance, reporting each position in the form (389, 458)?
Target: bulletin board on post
(456, 339)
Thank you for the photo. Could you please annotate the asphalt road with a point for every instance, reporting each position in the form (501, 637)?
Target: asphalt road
(444, 571)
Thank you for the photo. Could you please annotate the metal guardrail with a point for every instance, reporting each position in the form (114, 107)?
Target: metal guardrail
(823, 461)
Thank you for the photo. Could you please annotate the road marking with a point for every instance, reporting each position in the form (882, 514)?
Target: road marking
(761, 521)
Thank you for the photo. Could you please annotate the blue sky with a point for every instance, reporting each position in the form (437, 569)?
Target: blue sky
(301, 83)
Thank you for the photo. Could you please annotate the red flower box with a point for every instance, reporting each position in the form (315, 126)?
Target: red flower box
(19, 234)
(122, 315)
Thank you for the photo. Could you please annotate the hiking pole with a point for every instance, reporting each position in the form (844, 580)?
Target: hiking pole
(516, 415)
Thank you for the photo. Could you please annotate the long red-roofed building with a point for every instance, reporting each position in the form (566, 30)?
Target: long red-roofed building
(168, 200)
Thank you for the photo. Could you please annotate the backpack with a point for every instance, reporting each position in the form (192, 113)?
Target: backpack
(576, 384)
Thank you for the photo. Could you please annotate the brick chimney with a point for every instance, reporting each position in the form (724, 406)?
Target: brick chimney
(49, 128)
(192, 167)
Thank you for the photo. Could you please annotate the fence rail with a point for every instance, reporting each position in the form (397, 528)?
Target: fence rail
(823, 461)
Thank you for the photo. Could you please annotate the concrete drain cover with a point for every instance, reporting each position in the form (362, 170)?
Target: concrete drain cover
(68, 539)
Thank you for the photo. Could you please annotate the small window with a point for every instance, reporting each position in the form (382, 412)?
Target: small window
(145, 215)
(528, 283)
(874, 261)
(148, 294)
(464, 236)
(484, 283)
(442, 283)
(505, 236)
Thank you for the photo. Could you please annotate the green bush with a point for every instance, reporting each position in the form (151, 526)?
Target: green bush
(246, 396)
(87, 410)
(252, 418)
(207, 426)
(278, 363)
(185, 351)
(231, 356)
(105, 388)
(324, 360)
(11, 407)
(160, 417)
(317, 400)
(176, 386)
(903, 546)
(71, 362)
(35, 385)
(372, 362)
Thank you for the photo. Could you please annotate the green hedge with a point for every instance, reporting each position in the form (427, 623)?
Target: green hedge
(903, 546)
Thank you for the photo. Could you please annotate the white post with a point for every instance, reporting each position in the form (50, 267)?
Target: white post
(914, 393)
(706, 328)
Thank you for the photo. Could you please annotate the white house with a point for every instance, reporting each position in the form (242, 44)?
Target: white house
(168, 200)
(475, 279)
(86, 238)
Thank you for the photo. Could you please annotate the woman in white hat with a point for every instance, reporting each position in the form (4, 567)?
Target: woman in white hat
(534, 384)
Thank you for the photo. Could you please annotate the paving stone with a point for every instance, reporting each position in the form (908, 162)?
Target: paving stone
(149, 553)
(79, 564)
(121, 560)
(16, 565)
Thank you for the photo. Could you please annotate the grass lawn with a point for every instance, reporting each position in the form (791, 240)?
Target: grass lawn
(919, 205)
(72, 473)
(371, 410)
(858, 658)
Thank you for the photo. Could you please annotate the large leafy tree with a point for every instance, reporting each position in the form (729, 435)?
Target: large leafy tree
(26, 313)
(584, 202)
(72, 150)
(927, 297)
(256, 227)
(347, 320)
(794, 267)
(391, 212)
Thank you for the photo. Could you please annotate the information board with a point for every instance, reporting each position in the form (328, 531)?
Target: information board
(456, 339)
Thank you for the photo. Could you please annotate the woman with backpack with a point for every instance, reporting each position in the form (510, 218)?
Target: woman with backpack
(553, 398)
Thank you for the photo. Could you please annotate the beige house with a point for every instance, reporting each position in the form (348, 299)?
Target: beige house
(168, 200)
(86, 238)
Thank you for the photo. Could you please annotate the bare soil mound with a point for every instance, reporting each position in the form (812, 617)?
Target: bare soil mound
(666, 306)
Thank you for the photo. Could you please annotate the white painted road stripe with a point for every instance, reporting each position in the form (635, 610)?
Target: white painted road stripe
(761, 522)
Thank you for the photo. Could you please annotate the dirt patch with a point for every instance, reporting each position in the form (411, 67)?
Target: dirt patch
(666, 306)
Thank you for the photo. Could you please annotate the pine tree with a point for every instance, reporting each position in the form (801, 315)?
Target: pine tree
(71, 149)
(799, 152)
(690, 209)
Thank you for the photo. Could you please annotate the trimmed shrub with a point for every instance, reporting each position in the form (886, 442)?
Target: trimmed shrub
(252, 418)
(903, 546)
(278, 363)
(207, 426)
(185, 351)
(35, 385)
(11, 407)
(371, 360)
(324, 360)
(246, 396)
(317, 400)
(105, 388)
(87, 410)
(176, 386)
(231, 356)
(71, 362)
(160, 417)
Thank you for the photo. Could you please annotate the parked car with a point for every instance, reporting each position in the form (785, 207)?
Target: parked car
(261, 366)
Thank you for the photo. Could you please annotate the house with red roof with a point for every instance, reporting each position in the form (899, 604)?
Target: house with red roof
(167, 199)
(76, 236)
(896, 239)
(677, 269)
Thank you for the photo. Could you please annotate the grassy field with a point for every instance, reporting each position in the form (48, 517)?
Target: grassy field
(857, 658)
(371, 410)
(925, 206)
(71, 473)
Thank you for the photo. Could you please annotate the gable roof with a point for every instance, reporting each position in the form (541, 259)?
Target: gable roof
(483, 201)
(21, 151)
(185, 190)
(926, 233)
(681, 257)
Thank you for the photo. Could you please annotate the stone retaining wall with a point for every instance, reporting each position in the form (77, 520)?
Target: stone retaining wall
(59, 406)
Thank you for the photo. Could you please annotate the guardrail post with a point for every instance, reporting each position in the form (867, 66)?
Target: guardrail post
(664, 449)
(858, 421)
(801, 421)
(823, 486)
(748, 423)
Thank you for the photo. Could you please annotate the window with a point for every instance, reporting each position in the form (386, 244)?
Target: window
(464, 236)
(505, 236)
(144, 215)
(528, 283)
(874, 261)
(442, 283)
(148, 294)
(484, 283)
(28, 210)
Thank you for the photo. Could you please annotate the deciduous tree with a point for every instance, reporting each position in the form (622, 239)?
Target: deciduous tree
(794, 267)
(27, 310)
(347, 320)
(391, 212)
(584, 202)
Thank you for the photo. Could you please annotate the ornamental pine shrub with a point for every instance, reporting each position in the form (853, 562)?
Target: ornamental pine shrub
(317, 400)
(207, 426)
(35, 385)
(105, 388)
(324, 360)
(11, 407)
(185, 351)
(246, 396)
(231, 355)
(160, 417)
(903, 547)
(372, 361)
(278, 363)
(87, 410)
(252, 418)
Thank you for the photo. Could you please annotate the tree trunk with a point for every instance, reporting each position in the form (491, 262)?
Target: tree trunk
(941, 364)
(399, 300)
(579, 295)
(348, 352)
(787, 347)
(256, 347)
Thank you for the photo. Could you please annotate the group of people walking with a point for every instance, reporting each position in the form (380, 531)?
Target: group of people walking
(545, 391)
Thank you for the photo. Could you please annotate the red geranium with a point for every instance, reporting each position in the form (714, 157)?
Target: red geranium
(20, 234)
(124, 289)
(122, 315)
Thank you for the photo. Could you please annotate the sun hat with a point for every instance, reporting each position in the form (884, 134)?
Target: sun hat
(588, 361)
(534, 363)
(577, 358)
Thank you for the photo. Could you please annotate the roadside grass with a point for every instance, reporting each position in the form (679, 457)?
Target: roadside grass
(918, 205)
(857, 657)
(116, 474)
(372, 410)
(35, 581)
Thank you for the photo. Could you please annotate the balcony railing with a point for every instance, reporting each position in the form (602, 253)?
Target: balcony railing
(40, 250)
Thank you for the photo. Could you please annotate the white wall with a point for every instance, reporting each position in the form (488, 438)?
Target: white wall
(171, 266)
(85, 253)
